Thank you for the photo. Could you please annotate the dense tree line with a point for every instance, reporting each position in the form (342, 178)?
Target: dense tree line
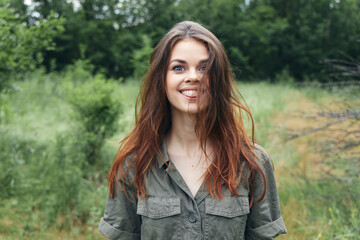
(263, 37)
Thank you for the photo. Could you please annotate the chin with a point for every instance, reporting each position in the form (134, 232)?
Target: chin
(185, 109)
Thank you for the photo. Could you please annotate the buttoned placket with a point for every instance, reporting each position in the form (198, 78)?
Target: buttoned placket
(193, 218)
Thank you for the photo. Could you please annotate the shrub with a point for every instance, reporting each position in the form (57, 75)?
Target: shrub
(19, 44)
(141, 57)
(284, 77)
(96, 111)
(55, 182)
(15, 154)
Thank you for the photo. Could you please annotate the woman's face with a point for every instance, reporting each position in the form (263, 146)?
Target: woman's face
(187, 64)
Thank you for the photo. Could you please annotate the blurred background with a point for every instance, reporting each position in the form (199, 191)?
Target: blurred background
(70, 72)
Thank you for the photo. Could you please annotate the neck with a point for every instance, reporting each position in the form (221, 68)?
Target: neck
(183, 127)
(182, 133)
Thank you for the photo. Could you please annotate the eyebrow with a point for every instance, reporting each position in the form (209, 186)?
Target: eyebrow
(183, 61)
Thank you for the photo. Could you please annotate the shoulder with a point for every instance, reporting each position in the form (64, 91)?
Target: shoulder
(262, 157)
(264, 161)
(127, 172)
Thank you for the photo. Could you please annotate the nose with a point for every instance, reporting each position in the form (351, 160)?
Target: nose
(193, 76)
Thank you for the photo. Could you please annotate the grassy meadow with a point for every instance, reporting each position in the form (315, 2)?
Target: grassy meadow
(48, 190)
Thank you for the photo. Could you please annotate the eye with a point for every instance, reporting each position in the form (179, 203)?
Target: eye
(202, 68)
(178, 68)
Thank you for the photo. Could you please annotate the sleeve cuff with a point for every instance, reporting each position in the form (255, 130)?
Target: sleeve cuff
(267, 231)
(113, 233)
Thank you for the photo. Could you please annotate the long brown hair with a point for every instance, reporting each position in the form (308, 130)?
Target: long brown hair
(221, 120)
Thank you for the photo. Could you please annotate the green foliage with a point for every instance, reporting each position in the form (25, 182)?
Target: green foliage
(44, 171)
(95, 30)
(57, 180)
(284, 77)
(21, 46)
(141, 57)
(261, 37)
(15, 153)
(94, 108)
(49, 191)
(20, 43)
(339, 207)
(317, 31)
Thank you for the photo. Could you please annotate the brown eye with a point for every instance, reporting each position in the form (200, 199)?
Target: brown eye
(178, 68)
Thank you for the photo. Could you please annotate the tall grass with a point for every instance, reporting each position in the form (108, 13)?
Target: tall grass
(46, 193)
(45, 158)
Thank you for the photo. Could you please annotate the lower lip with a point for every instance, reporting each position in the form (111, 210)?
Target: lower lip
(188, 97)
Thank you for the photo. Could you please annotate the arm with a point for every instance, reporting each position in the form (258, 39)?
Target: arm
(264, 220)
(120, 220)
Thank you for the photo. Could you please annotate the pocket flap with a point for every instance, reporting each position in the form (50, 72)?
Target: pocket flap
(159, 207)
(227, 207)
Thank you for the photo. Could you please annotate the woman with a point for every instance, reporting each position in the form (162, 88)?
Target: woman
(188, 169)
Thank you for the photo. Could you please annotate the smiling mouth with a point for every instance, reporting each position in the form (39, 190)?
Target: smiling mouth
(189, 93)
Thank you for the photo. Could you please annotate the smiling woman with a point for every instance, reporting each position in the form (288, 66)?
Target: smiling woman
(188, 169)
(188, 60)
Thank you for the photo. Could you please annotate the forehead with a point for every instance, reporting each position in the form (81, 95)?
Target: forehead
(189, 49)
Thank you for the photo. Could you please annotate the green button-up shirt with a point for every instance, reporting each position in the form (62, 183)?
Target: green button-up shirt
(171, 212)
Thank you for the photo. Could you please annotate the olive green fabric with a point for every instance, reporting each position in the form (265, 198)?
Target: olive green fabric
(171, 212)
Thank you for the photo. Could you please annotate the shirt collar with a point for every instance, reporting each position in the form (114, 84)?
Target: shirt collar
(163, 151)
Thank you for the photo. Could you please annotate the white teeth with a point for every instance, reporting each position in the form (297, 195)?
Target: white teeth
(189, 93)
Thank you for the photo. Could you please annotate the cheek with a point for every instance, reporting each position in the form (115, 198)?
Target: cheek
(171, 83)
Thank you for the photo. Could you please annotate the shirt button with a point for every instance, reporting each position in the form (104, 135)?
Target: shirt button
(192, 218)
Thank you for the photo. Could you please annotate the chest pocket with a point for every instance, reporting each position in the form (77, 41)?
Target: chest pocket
(160, 217)
(226, 219)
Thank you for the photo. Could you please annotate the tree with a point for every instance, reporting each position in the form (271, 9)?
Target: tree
(262, 37)
(21, 45)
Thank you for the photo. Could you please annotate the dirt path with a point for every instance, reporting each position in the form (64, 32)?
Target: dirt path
(323, 135)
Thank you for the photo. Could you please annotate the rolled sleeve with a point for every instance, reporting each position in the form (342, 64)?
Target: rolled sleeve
(264, 220)
(267, 231)
(113, 233)
(120, 220)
